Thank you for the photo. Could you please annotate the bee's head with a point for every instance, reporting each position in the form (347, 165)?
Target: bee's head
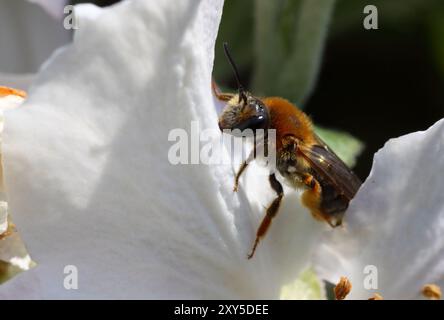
(243, 111)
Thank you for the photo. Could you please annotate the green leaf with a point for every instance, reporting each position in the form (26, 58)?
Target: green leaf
(269, 48)
(236, 28)
(342, 143)
(8, 271)
(306, 287)
(435, 25)
(290, 38)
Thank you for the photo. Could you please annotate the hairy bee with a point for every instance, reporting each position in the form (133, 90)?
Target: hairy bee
(302, 158)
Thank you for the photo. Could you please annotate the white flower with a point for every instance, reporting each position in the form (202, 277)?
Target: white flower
(89, 183)
(3, 217)
(12, 250)
(29, 36)
(53, 7)
(395, 223)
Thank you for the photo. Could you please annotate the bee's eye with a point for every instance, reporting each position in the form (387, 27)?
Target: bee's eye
(259, 107)
(256, 106)
(251, 114)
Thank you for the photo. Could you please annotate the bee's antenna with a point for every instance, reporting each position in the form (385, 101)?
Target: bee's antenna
(236, 73)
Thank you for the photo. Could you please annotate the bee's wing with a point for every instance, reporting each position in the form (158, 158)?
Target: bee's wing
(328, 165)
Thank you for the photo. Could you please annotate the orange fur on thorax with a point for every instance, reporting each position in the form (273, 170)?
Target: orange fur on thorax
(287, 119)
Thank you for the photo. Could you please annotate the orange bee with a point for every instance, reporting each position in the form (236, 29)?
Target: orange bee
(302, 158)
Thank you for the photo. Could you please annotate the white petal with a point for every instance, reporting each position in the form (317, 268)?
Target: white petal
(12, 249)
(90, 184)
(396, 221)
(53, 7)
(8, 102)
(9, 99)
(28, 36)
(3, 217)
(86, 12)
(21, 81)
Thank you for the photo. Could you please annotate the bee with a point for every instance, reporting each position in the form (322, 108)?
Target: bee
(302, 158)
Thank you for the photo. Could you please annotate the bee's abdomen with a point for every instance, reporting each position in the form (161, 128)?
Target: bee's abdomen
(333, 204)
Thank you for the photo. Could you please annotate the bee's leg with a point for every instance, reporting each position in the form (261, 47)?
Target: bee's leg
(272, 210)
(220, 96)
(261, 146)
(242, 168)
(311, 198)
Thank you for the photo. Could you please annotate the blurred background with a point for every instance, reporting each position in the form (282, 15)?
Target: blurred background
(372, 84)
